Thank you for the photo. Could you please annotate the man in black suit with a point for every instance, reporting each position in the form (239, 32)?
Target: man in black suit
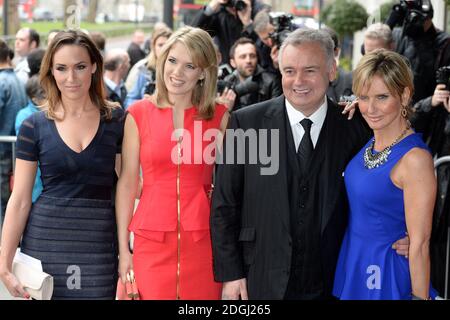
(276, 234)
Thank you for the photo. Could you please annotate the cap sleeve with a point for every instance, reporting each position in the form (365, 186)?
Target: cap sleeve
(27, 143)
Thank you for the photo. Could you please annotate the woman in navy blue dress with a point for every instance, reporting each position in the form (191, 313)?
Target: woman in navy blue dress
(71, 227)
(391, 188)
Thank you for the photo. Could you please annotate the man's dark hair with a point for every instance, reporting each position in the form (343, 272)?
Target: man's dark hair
(34, 36)
(34, 89)
(99, 39)
(113, 64)
(5, 51)
(238, 42)
(334, 37)
(34, 61)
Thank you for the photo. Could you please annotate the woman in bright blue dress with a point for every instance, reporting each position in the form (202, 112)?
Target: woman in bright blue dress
(391, 188)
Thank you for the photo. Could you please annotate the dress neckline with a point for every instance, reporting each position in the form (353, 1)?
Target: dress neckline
(67, 147)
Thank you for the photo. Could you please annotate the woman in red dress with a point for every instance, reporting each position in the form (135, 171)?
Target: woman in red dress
(172, 136)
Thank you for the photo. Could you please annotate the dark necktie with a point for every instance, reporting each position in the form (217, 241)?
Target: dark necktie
(123, 94)
(305, 149)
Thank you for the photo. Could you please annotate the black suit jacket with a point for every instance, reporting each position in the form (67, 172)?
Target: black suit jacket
(250, 218)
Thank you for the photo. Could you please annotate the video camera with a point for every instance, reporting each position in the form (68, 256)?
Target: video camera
(283, 25)
(443, 76)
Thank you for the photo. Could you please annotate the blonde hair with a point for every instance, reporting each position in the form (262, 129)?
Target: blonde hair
(162, 32)
(200, 46)
(97, 88)
(393, 68)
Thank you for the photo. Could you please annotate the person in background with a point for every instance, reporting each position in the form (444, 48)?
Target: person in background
(27, 39)
(342, 85)
(117, 64)
(12, 99)
(145, 69)
(99, 39)
(36, 97)
(378, 36)
(34, 61)
(135, 49)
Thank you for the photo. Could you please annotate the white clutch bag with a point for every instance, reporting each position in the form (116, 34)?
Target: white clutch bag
(37, 283)
(28, 270)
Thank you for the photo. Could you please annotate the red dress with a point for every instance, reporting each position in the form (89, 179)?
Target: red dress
(172, 254)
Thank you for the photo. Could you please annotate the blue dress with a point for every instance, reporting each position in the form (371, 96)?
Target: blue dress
(71, 227)
(368, 268)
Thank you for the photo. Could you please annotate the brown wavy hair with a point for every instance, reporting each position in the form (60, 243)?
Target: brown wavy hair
(200, 46)
(97, 89)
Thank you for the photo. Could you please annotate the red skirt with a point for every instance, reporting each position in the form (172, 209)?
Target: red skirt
(155, 264)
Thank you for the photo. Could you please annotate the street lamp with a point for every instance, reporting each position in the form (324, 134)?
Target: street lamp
(5, 17)
(136, 20)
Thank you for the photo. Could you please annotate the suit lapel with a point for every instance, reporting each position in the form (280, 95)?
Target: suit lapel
(275, 118)
(331, 140)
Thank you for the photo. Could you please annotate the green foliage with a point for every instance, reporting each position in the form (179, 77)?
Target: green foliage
(345, 17)
(345, 63)
(385, 10)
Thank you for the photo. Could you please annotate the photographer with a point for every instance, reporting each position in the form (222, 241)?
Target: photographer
(264, 28)
(228, 20)
(418, 40)
(249, 81)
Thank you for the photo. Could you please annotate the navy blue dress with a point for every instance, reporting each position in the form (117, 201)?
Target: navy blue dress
(368, 268)
(71, 227)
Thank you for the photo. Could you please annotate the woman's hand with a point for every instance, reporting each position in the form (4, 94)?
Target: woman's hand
(13, 285)
(125, 265)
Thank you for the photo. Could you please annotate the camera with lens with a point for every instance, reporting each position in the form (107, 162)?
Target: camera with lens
(443, 76)
(241, 89)
(283, 25)
(239, 5)
(411, 14)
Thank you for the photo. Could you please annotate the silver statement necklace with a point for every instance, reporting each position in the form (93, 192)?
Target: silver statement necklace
(372, 160)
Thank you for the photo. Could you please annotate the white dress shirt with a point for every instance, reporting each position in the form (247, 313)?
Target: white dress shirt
(317, 119)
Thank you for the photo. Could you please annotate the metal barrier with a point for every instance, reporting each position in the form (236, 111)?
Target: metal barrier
(437, 163)
(12, 140)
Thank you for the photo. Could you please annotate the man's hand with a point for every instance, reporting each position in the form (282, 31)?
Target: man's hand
(402, 246)
(441, 96)
(232, 290)
(246, 15)
(227, 98)
(349, 107)
(215, 4)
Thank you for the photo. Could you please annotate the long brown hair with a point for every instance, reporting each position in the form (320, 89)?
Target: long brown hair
(200, 45)
(97, 89)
